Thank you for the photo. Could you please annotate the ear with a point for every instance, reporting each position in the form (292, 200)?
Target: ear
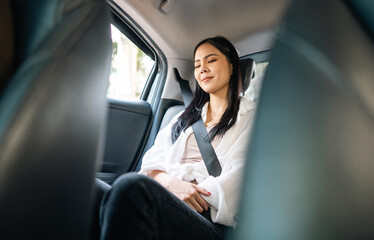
(231, 68)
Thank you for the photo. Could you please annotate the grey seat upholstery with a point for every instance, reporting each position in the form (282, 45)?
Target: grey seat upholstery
(52, 115)
(170, 113)
(310, 164)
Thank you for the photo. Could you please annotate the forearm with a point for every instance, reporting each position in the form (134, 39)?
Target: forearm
(185, 191)
(160, 176)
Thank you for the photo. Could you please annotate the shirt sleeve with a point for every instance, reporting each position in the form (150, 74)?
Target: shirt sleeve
(154, 158)
(225, 189)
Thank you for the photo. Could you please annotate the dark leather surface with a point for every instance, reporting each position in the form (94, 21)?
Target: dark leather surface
(52, 119)
(309, 172)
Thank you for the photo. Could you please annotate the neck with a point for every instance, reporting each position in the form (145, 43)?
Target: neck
(218, 103)
(217, 106)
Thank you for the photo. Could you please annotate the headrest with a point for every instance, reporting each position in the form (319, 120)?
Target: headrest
(248, 69)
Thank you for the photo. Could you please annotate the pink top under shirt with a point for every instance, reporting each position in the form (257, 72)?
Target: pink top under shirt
(192, 153)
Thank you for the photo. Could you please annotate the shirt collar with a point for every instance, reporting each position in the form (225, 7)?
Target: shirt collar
(204, 111)
(244, 107)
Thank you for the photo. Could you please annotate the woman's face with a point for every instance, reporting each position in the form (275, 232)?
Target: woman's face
(212, 70)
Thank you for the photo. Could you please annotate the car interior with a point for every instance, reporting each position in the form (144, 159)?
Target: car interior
(86, 85)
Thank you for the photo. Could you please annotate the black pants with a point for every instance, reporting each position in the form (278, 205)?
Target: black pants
(137, 207)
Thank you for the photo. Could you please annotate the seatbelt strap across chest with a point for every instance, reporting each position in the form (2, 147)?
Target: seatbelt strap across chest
(206, 149)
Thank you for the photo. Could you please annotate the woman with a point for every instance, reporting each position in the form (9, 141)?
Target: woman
(178, 199)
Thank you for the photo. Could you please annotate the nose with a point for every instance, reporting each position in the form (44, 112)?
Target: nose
(203, 68)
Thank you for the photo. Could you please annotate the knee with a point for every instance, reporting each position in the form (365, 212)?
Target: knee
(130, 185)
(101, 188)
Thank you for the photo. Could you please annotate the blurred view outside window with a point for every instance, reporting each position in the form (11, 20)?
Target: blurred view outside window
(253, 90)
(130, 68)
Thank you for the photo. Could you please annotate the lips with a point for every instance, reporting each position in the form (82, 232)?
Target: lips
(205, 79)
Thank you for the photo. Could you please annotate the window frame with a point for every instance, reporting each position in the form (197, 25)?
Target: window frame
(127, 30)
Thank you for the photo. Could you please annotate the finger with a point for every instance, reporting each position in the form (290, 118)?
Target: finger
(202, 203)
(196, 205)
(202, 190)
(189, 204)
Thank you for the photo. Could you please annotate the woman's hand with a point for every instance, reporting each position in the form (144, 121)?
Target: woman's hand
(187, 192)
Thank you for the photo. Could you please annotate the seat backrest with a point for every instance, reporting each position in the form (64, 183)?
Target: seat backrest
(52, 118)
(309, 172)
(169, 114)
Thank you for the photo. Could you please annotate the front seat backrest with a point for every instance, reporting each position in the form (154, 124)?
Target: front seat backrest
(52, 115)
(310, 165)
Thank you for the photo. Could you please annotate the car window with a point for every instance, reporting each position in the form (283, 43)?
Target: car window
(129, 70)
(253, 90)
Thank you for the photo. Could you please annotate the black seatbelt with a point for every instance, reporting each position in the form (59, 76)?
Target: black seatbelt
(206, 149)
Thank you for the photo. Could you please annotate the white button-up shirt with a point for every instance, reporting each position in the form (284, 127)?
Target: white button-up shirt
(231, 152)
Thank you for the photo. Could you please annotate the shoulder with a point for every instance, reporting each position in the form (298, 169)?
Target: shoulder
(245, 115)
(246, 106)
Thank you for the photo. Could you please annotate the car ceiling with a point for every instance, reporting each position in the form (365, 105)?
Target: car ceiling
(249, 24)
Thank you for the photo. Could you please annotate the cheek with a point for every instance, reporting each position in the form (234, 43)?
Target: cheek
(196, 74)
(226, 72)
(198, 82)
(229, 70)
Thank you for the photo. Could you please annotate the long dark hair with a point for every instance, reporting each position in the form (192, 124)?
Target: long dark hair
(192, 113)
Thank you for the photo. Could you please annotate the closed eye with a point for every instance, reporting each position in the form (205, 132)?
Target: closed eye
(197, 66)
(213, 60)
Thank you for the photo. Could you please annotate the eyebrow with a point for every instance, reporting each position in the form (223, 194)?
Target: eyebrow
(209, 55)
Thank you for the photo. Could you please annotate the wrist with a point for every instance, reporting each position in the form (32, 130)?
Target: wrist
(160, 176)
(153, 173)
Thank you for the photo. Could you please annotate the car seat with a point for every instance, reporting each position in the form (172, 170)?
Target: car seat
(309, 171)
(52, 115)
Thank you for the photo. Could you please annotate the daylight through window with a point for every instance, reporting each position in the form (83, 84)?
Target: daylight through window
(130, 68)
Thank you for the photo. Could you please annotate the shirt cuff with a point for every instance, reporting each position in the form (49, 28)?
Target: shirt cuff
(144, 170)
(212, 186)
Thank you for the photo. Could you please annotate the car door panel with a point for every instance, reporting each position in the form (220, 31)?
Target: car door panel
(127, 129)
